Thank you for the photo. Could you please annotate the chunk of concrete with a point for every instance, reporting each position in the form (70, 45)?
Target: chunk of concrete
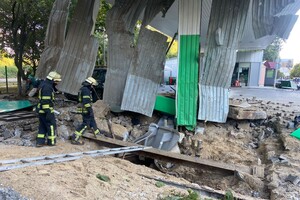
(246, 113)
(293, 179)
(258, 171)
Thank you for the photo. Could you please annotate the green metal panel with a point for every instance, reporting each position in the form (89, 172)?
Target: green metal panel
(165, 104)
(7, 106)
(187, 88)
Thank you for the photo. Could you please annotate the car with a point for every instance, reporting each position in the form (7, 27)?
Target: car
(99, 74)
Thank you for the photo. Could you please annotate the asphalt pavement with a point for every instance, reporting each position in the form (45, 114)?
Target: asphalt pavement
(267, 94)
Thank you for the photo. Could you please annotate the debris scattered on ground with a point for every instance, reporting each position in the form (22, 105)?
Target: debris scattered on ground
(263, 143)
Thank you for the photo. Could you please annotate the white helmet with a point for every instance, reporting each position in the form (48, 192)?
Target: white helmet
(54, 76)
(91, 81)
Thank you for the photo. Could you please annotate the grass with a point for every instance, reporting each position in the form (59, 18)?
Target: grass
(11, 72)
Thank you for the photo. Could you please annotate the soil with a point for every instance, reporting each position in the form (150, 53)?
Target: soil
(265, 143)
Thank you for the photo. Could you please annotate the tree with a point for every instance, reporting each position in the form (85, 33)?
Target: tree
(23, 25)
(271, 53)
(295, 72)
(280, 74)
(100, 33)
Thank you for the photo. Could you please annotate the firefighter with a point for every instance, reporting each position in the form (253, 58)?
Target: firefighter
(47, 125)
(85, 100)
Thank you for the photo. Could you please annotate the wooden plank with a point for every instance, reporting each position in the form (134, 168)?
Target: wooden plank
(173, 157)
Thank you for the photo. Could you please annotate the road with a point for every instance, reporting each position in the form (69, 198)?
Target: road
(267, 94)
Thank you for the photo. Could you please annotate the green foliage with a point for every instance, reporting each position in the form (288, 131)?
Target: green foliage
(159, 184)
(23, 25)
(280, 74)
(229, 195)
(103, 178)
(295, 72)
(173, 51)
(271, 53)
(100, 33)
(178, 196)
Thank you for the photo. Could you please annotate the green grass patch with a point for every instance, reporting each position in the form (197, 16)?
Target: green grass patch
(11, 72)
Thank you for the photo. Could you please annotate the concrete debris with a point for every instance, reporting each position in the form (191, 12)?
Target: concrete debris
(274, 160)
(253, 145)
(283, 159)
(102, 109)
(246, 113)
(293, 179)
(7, 134)
(290, 125)
(254, 182)
(119, 131)
(64, 132)
(258, 171)
(8, 193)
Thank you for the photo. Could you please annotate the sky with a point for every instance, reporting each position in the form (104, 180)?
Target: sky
(291, 47)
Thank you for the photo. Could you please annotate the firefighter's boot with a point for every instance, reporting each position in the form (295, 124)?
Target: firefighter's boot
(76, 139)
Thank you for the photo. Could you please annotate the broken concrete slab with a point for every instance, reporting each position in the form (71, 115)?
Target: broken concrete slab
(258, 171)
(293, 179)
(242, 113)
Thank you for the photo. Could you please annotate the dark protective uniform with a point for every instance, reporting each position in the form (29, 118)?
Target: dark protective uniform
(85, 99)
(47, 126)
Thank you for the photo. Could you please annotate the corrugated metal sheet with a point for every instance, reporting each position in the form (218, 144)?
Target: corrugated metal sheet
(189, 17)
(189, 44)
(120, 50)
(249, 56)
(213, 103)
(220, 57)
(55, 37)
(145, 73)
(263, 13)
(78, 55)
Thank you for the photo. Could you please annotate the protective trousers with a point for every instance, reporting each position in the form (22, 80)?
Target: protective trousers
(47, 129)
(88, 120)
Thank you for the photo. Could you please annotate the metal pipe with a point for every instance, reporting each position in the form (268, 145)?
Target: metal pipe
(6, 79)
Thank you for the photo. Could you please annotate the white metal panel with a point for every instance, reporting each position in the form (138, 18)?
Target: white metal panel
(189, 17)
(139, 95)
(249, 56)
(213, 103)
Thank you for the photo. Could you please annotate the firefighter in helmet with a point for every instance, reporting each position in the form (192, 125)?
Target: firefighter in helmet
(88, 120)
(47, 124)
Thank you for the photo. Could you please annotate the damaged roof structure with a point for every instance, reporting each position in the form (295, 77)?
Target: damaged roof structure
(216, 28)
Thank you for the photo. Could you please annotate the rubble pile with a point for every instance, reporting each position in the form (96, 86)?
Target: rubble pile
(257, 134)
(21, 133)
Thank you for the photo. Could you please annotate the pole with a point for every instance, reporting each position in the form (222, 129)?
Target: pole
(6, 79)
(276, 71)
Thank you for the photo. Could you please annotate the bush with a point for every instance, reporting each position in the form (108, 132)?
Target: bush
(11, 72)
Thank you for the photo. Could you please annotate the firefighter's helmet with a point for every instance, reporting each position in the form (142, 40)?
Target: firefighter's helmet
(91, 81)
(54, 76)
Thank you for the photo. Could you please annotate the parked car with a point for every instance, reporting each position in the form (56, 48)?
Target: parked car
(99, 74)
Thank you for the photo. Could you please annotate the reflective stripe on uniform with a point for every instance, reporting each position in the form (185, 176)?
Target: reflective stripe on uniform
(79, 133)
(86, 97)
(52, 136)
(87, 105)
(46, 97)
(45, 106)
(40, 135)
(96, 131)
